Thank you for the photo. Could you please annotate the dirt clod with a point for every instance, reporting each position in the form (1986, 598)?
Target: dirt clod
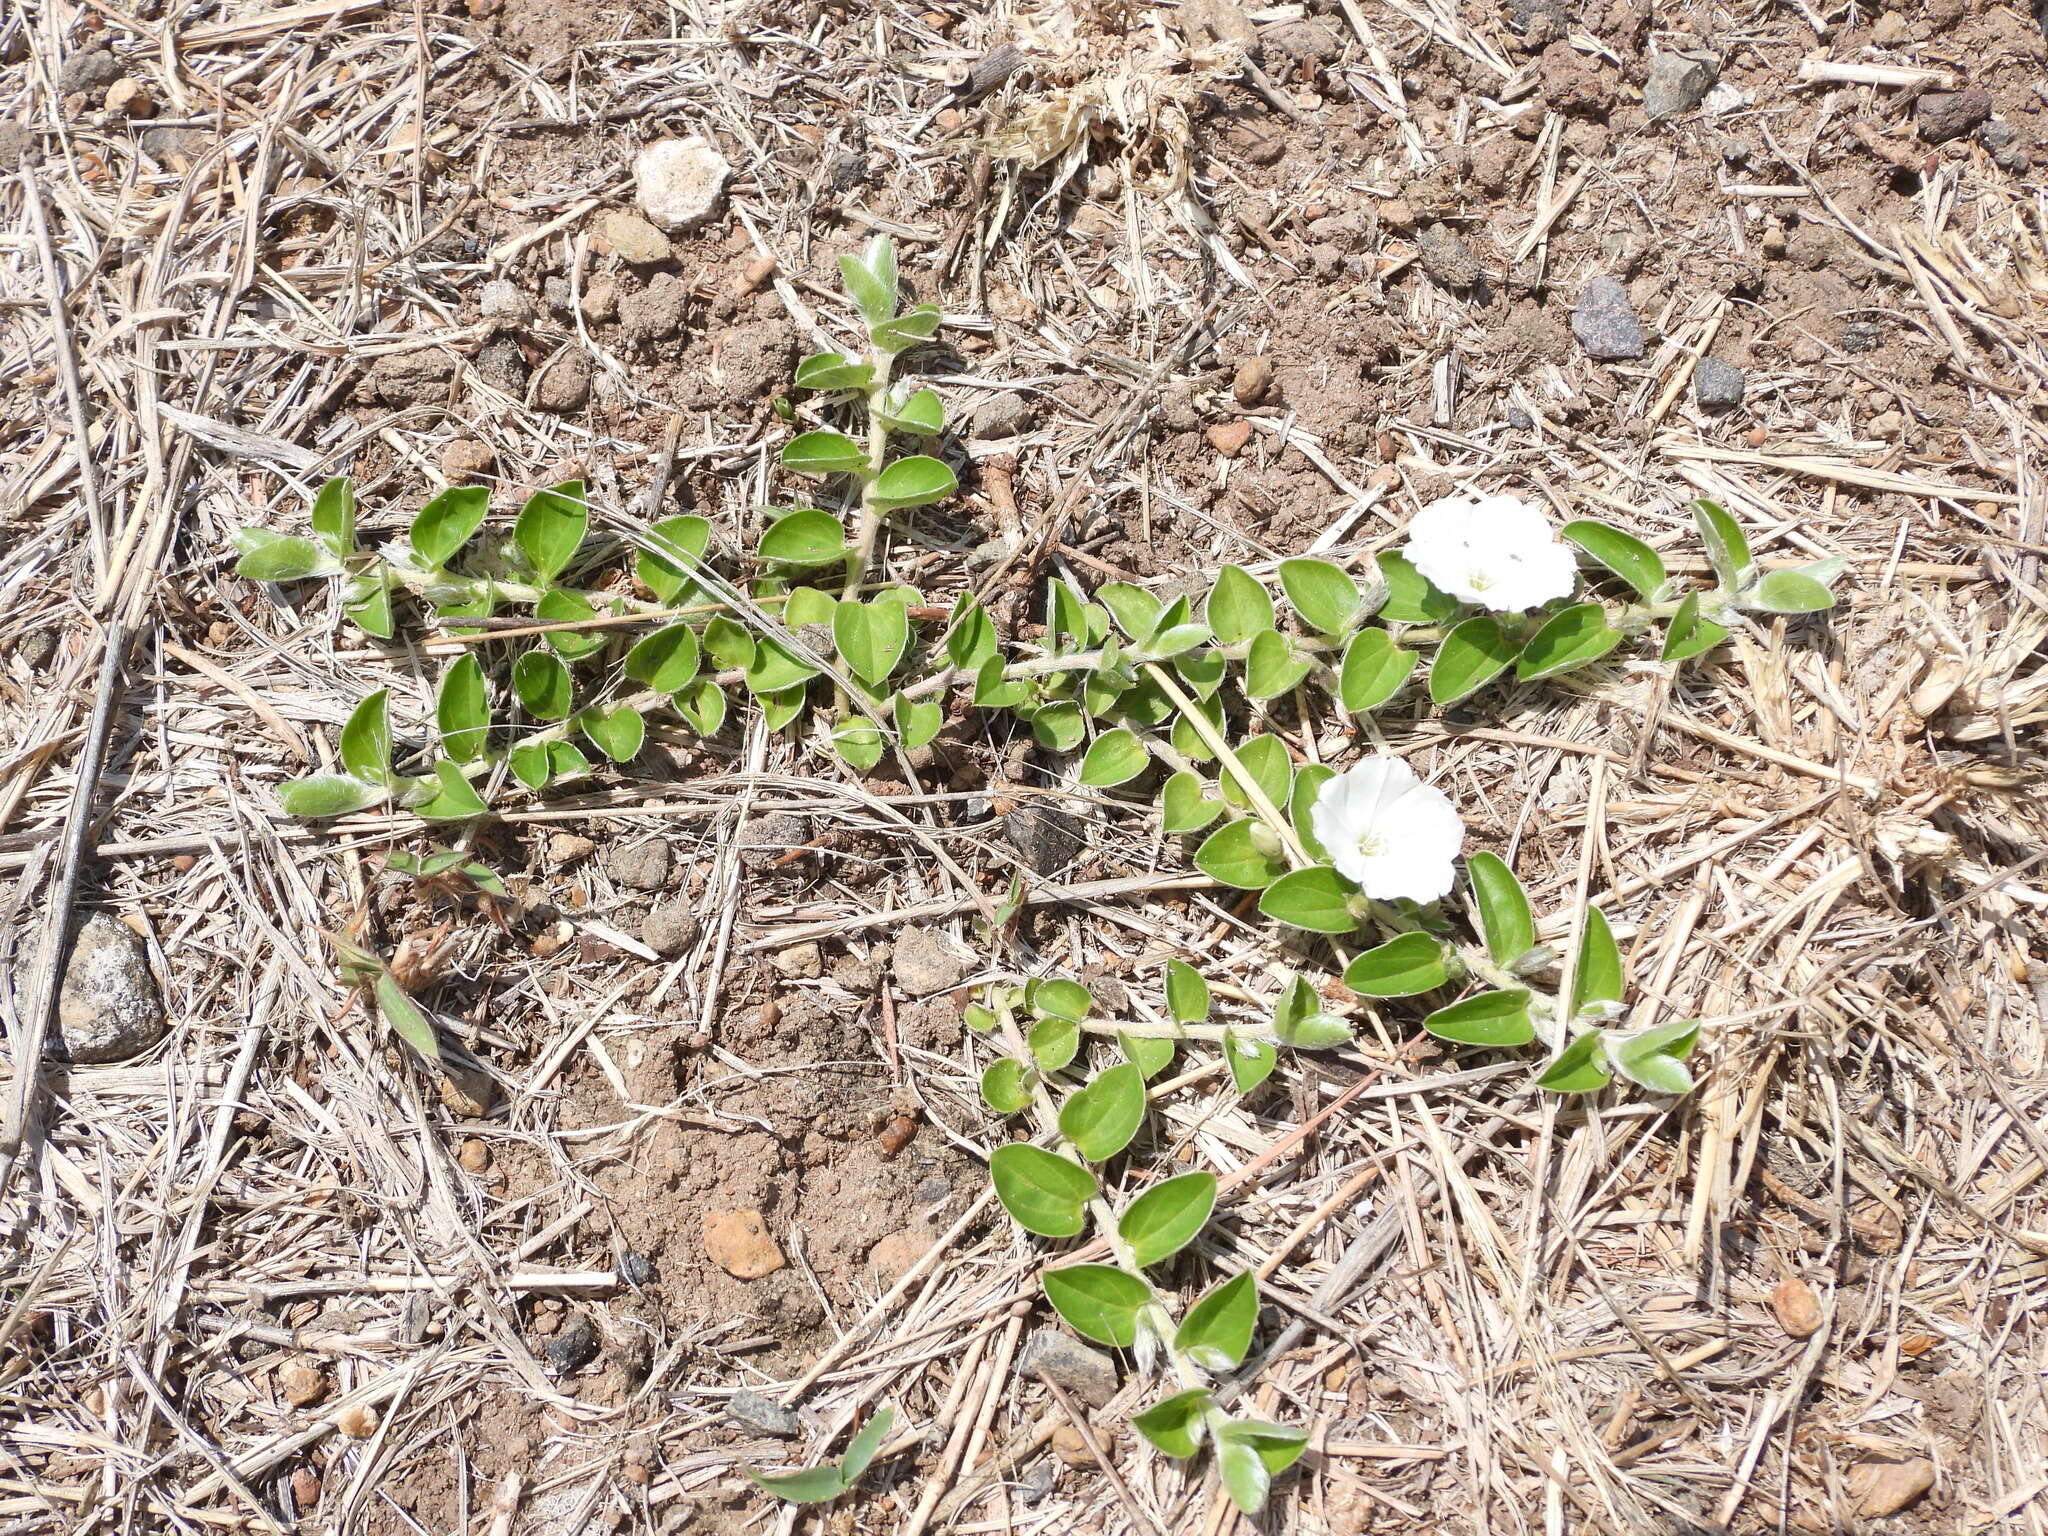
(641, 866)
(130, 98)
(669, 930)
(680, 183)
(303, 1385)
(1047, 837)
(925, 962)
(1945, 115)
(358, 1421)
(738, 1243)
(1229, 437)
(464, 459)
(475, 1156)
(1883, 1486)
(1605, 321)
(568, 849)
(1448, 259)
(1254, 378)
(565, 386)
(632, 239)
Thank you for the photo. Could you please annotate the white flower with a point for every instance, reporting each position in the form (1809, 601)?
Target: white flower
(1388, 831)
(1496, 551)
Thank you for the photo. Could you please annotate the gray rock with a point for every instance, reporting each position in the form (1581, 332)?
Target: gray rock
(654, 313)
(1945, 115)
(88, 71)
(636, 1268)
(1447, 259)
(1221, 20)
(670, 930)
(1293, 46)
(1678, 82)
(568, 848)
(1047, 837)
(1718, 386)
(1520, 419)
(502, 365)
(935, 1190)
(419, 377)
(766, 839)
(925, 963)
(1862, 336)
(502, 303)
(1087, 1373)
(640, 866)
(1522, 13)
(108, 1008)
(1005, 416)
(1605, 322)
(14, 142)
(750, 1410)
(173, 147)
(573, 1348)
(566, 384)
(680, 183)
(2003, 140)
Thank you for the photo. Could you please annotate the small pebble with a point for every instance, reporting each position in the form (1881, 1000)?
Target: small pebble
(130, 98)
(670, 930)
(1676, 83)
(566, 384)
(1718, 386)
(750, 1410)
(1944, 115)
(1254, 378)
(358, 1421)
(305, 1488)
(1797, 1308)
(475, 1156)
(303, 1385)
(738, 1243)
(464, 459)
(680, 183)
(1087, 1373)
(1229, 437)
(1447, 259)
(574, 1347)
(636, 1268)
(633, 239)
(566, 849)
(1605, 321)
(504, 303)
(758, 274)
(1862, 336)
(1890, 31)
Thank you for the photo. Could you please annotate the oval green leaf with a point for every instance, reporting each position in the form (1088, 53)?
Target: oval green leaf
(366, 739)
(1272, 666)
(1571, 638)
(1231, 854)
(445, 524)
(1165, 1219)
(804, 538)
(913, 482)
(328, 794)
(1402, 967)
(1498, 1019)
(871, 636)
(1326, 598)
(542, 684)
(1316, 898)
(1044, 1194)
(665, 660)
(1239, 607)
(1099, 1301)
(1622, 553)
(824, 453)
(1184, 805)
(1005, 1086)
(1597, 978)
(1471, 656)
(618, 733)
(1187, 994)
(550, 527)
(463, 710)
(1410, 597)
(1581, 1067)
(1505, 921)
(1101, 1118)
(1115, 757)
(1217, 1330)
(1374, 670)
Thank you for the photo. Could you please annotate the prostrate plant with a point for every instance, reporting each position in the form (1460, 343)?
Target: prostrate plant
(706, 631)
(1049, 1185)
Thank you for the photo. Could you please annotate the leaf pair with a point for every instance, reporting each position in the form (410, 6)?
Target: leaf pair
(820, 1485)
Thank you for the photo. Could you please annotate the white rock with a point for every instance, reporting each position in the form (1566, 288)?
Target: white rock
(503, 303)
(108, 1008)
(679, 183)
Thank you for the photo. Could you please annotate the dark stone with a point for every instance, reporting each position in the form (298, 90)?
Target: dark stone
(1520, 419)
(765, 839)
(1862, 336)
(1047, 837)
(750, 1410)
(502, 365)
(2003, 140)
(636, 1269)
(88, 71)
(1447, 259)
(1718, 386)
(1945, 115)
(1678, 82)
(572, 1348)
(1087, 1373)
(1605, 322)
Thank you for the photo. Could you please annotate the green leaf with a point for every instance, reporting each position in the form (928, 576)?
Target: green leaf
(812, 1485)
(1059, 727)
(1402, 967)
(871, 636)
(1272, 666)
(859, 743)
(665, 660)
(529, 763)
(1135, 610)
(1316, 898)
(480, 603)
(1790, 592)
(618, 733)
(1309, 780)
(824, 453)
(1727, 546)
(566, 761)
(916, 481)
(1044, 1194)
(1374, 670)
(1299, 1023)
(328, 794)
(1187, 994)
(674, 546)
(1571, 638)
(1597, 978)
(1325, 597)
(1101, 1118)
(1231, 855)
(702, 706)
(1655, 1058)
(1410, 597)
(542, 684)
(907, 329)
(281, 557)
(917, 720)
(780, 708)
(1471, 656)
(862, 1448)
(1115, 757)
(833, 371)
(971, 637)
(445, 524)
(1177, 639)
(1487, 1018)
(1099, 1301)
(1148, 1053)
(463, 711)
(1165, 1219)
(1005, 1086)
(1202, 671)
(1058, 998)
(1174, 1424)
(1251, 1060)
(550, 527)
(366, 600)
(804, 538)
(1239, 607)
(1054, 1042)
(334, 515)
(560, 605)
(1505, 921)
(1250, 1454)
(366, 739)
(454, 797)
(1581, 1067)
(991, 692)
(776, 667)
(923, 414)
(873, 293)
(1688, 635)
(1622, 553)
(1217, 1329)
(1265, 759)
(410, 1022)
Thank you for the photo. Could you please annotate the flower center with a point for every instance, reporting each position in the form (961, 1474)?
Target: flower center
(1371, 845)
